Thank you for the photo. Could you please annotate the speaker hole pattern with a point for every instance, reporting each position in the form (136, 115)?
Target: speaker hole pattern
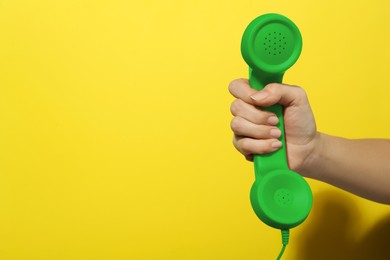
(283, 197)
(274, 43)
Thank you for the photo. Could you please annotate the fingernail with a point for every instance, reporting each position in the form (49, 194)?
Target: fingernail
(275, 133)
(273, 120)
(276, 144)
(259, 95)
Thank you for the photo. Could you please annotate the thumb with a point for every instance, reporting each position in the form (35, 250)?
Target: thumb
(283, 94)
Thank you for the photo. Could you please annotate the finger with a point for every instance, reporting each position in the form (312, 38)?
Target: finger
(249, 146)
(252, 114)
(243, 127)
(241, 89)
(285, 95)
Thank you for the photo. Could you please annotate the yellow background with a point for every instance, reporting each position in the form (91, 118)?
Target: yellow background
(114, 128)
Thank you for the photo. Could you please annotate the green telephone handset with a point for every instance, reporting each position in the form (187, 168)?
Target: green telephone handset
(280, 197)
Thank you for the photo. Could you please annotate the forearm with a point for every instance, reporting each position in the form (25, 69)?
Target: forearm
(359, 166)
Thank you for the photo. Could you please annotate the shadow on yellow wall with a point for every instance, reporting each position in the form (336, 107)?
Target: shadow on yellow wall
(333, 232)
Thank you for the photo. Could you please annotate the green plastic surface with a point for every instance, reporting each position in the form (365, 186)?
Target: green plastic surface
(281, 198)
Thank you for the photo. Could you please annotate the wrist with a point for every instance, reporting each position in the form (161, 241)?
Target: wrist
(312, 163)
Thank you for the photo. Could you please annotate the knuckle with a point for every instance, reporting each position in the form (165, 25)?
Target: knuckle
(237, 144)
(261, 116)
(272, 87)
(236, 124)
(300, 92)
(246, 146)
(233, 85)
(236, 106)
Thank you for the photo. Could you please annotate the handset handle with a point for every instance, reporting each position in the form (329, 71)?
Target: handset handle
(277, 160)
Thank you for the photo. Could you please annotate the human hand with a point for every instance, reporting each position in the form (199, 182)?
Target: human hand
(255, 131)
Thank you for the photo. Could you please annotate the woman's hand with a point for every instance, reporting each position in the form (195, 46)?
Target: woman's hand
(255, 131)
